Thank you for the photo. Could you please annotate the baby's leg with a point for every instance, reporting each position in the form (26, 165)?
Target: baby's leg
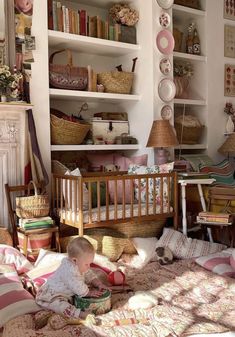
(61, 306)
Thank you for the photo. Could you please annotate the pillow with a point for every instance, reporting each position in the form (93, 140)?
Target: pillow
(123, 162)
(10, 255)
(232, 260)
(120, 191)
(164, 168)
(97, 161)
(114, 247)
(145, 248)
(14, 299)
(71, 203)
(39, 275)
(222, 173)
(218, 263)
(47, 257)
(183, 247)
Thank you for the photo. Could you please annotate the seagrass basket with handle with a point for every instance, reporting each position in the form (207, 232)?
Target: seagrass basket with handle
(32, 206)
(117, 82)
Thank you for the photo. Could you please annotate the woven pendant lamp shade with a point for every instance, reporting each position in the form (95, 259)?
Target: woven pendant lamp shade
(162, 135)
(229, 145)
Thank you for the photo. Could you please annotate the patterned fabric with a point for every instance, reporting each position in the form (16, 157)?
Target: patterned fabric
(183, 247)
(164, 168)
(190, 301)
(14, 299)
(35, 243)
(74, 216)
(10, 255)
(222, 173)
(196, 160)
(219, 263)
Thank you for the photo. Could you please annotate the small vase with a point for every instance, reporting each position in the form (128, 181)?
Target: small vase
(3, 98)
(229, 125)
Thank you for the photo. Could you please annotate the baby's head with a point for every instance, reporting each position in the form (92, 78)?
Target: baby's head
(81, 252)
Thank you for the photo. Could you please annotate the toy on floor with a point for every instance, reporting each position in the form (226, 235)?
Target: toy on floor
(164, 255)
(116, 278)
(96, 305)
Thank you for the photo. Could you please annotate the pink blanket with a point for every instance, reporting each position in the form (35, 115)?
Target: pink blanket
(189, 300)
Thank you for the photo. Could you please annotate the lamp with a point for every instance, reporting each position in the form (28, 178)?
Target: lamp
(228, 146)
(162, 135)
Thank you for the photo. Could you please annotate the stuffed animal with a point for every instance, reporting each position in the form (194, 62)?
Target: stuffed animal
(110, 168)
(163, 255)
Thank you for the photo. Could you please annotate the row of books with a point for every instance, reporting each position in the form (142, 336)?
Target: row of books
(36, 223)
(68, 20)
(210, 217)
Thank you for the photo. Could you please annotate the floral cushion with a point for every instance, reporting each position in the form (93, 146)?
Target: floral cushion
(164, 168)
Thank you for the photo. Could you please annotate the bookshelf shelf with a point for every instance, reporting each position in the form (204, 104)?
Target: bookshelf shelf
(89, 45)
(92, 96)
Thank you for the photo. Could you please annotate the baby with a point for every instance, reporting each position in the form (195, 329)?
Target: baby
(71, 278)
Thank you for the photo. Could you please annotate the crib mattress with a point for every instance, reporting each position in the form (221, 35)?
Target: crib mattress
(94, 215)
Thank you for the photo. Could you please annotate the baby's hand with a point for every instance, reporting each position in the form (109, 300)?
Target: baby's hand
(100, 285)
(94, 293)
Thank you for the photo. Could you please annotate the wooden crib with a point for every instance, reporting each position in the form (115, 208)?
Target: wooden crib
(135, 198)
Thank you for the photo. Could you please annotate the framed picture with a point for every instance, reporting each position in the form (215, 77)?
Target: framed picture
(229, 9)
(229, 80)
(229, 41)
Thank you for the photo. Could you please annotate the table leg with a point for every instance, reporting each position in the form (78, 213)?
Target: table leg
(199, 186)
(183, 201)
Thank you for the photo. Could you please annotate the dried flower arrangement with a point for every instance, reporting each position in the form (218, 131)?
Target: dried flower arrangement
(228, 109)
(9, 82)
(183, 69)
(124, 14)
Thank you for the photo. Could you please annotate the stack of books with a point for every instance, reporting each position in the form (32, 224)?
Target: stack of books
(36, 223)
(212, 217)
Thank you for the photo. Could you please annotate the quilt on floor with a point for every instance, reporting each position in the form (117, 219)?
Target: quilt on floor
(189, 300)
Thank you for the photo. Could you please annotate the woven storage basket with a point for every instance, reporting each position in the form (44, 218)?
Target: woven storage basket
(58, 168)
(32, 206)
(64, 132)
(118, 82)
(5, 237)
(191, 135)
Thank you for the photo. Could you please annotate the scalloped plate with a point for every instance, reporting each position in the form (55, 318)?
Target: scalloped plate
(165, 42)
(165, 4)
(166, 112)
(166, 90)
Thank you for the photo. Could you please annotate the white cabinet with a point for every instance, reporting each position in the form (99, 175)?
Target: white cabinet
(196, 101)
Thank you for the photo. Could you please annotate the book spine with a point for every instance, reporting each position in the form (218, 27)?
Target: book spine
(59, 17)
(50, 14)
(55, 26)
(213, 219)
(82, 22)
(64, 18)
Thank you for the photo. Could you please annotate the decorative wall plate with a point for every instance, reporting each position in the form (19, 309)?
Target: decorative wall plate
(166, 90)
(166, 112)
(165, 66)
(165, 42)
(165, 4)
(165, 20)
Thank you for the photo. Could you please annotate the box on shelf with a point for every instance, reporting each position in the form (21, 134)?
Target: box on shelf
(108, 130)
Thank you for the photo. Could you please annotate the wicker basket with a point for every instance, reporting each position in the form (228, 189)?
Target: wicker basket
(58, 168)
(118, 82)
(34, 206)
(64, 132)
(191, 135)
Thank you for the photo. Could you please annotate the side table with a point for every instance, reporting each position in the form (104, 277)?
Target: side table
(192, 181)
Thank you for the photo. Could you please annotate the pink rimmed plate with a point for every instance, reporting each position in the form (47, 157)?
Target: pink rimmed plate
(165, 4)
(166, 112)
(165, 42)
(166, 90)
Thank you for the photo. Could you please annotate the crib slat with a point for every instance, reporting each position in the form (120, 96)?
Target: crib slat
(161, 195)
(89, 202)
(147, 196)
(168, 193)
(115, 200)
(80, 191)
(154, 195)
(132, 197)
(123, 198)
(139, 197)
(107, 199)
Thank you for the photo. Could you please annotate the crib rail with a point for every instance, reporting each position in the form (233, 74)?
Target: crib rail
(106, 199)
